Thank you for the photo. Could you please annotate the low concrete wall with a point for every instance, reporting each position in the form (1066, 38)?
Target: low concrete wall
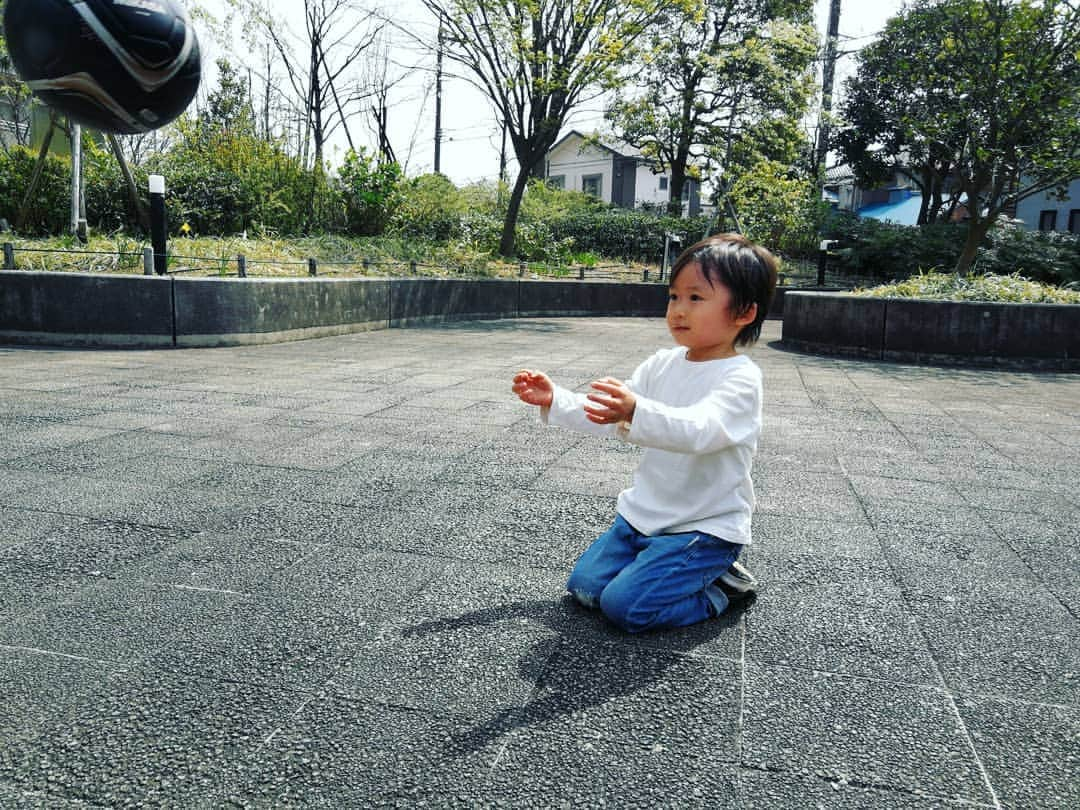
(219, 312)
(1030, 336)
(77, 309)
(149, 311)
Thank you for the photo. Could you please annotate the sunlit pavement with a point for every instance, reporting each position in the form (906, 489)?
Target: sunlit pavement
(330, 573)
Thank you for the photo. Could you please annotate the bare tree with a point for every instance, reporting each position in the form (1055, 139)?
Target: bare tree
(321, 63)
(538, 61)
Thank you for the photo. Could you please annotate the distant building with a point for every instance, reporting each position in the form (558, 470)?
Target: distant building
(619, 175)
(898, 200)
(1043, 212)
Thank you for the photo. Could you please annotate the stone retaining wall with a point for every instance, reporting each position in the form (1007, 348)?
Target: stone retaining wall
(1030, 336)
(150, 311)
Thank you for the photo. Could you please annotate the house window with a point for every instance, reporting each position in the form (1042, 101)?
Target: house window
(1047, 220)
(591, 184)
(557, 181)
(663, 184)
(1074, 221)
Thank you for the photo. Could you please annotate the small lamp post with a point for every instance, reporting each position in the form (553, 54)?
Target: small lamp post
(158, 227)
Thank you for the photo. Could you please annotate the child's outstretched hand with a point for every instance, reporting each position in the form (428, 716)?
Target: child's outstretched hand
(614, 402)
(534, 388)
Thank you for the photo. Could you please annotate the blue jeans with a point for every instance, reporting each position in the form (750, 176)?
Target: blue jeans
(652, 583)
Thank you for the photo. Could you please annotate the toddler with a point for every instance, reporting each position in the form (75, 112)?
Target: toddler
(669, 559)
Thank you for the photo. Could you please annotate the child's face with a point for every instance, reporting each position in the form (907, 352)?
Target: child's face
(699, 316)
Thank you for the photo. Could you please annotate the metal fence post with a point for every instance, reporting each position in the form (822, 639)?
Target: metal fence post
(9, 256)
(412, 267)
(521, 269)
(148, 261)
(581, 273)
(312, 267)
(645, 274)
(365, 264)
(241, 265)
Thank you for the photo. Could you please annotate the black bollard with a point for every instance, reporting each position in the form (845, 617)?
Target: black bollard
(158, 227)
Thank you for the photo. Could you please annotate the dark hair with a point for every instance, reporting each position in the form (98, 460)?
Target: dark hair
(747, 269)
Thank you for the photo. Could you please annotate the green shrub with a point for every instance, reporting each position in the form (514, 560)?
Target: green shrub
(1012, 288)
(623, 234)
(371, 192)
(429, 207)
(1048, 256)
(109, 207)
(777, 209)
(49, 210)
(874, 249)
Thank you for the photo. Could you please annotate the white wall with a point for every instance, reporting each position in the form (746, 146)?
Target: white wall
(647, 187)
(1028, 209)
(573, 165)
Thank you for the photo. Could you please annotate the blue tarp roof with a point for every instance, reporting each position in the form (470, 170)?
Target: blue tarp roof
(905, 212)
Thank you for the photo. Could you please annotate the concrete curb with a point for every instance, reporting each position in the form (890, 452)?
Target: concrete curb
(1025, 336)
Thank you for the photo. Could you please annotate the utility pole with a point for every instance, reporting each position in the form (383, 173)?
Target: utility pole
(438, 99)
(828, 74)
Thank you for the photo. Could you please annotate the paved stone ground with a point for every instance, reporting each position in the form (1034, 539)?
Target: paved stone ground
(329, 574)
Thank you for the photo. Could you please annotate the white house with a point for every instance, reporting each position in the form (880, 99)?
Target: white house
(1043, 212)
(621, 176)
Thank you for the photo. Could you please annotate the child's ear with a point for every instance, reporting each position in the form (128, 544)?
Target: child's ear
(748, 315)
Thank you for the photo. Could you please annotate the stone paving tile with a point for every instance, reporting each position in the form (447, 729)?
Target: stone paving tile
(337, 752)
(122, 622)
(779, 790)
(219, 562)
(861, 629)
(1003, 639)
(141, 737)
(1021, 746)
(859, 731)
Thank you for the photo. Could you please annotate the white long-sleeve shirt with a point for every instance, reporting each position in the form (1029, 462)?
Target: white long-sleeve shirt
(699, 423)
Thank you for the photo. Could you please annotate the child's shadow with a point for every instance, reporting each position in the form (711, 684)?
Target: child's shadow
(586, 665)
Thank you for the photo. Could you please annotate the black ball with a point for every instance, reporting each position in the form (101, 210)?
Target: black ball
(121, 66)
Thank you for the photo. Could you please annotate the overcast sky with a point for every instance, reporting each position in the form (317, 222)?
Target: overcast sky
(471, 136)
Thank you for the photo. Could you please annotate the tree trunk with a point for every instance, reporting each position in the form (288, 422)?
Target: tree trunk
(506, 243)
(976, 233)
(35, 177)
(142, 216)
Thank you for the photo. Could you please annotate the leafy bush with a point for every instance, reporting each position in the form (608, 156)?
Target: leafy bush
(1049, 256)
(109, 206)
(222, 182)
(1012, 288)
(49, 210)
(882, 250)
(545, 203)
(777, 209)
(623, 234)
(429, 207)
(371, 192)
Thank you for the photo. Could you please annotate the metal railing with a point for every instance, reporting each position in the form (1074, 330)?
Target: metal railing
(242, 266)
(795, 272)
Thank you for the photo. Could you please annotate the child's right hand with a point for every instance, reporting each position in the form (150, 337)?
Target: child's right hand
(534, 388)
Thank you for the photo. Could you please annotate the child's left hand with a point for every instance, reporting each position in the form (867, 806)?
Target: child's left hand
(614, 402)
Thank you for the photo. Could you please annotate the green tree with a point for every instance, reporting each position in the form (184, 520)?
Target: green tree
(537, 60)
(776, 207)
(228, 107)
(727, 86)
(983, 94)
(14, 98)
